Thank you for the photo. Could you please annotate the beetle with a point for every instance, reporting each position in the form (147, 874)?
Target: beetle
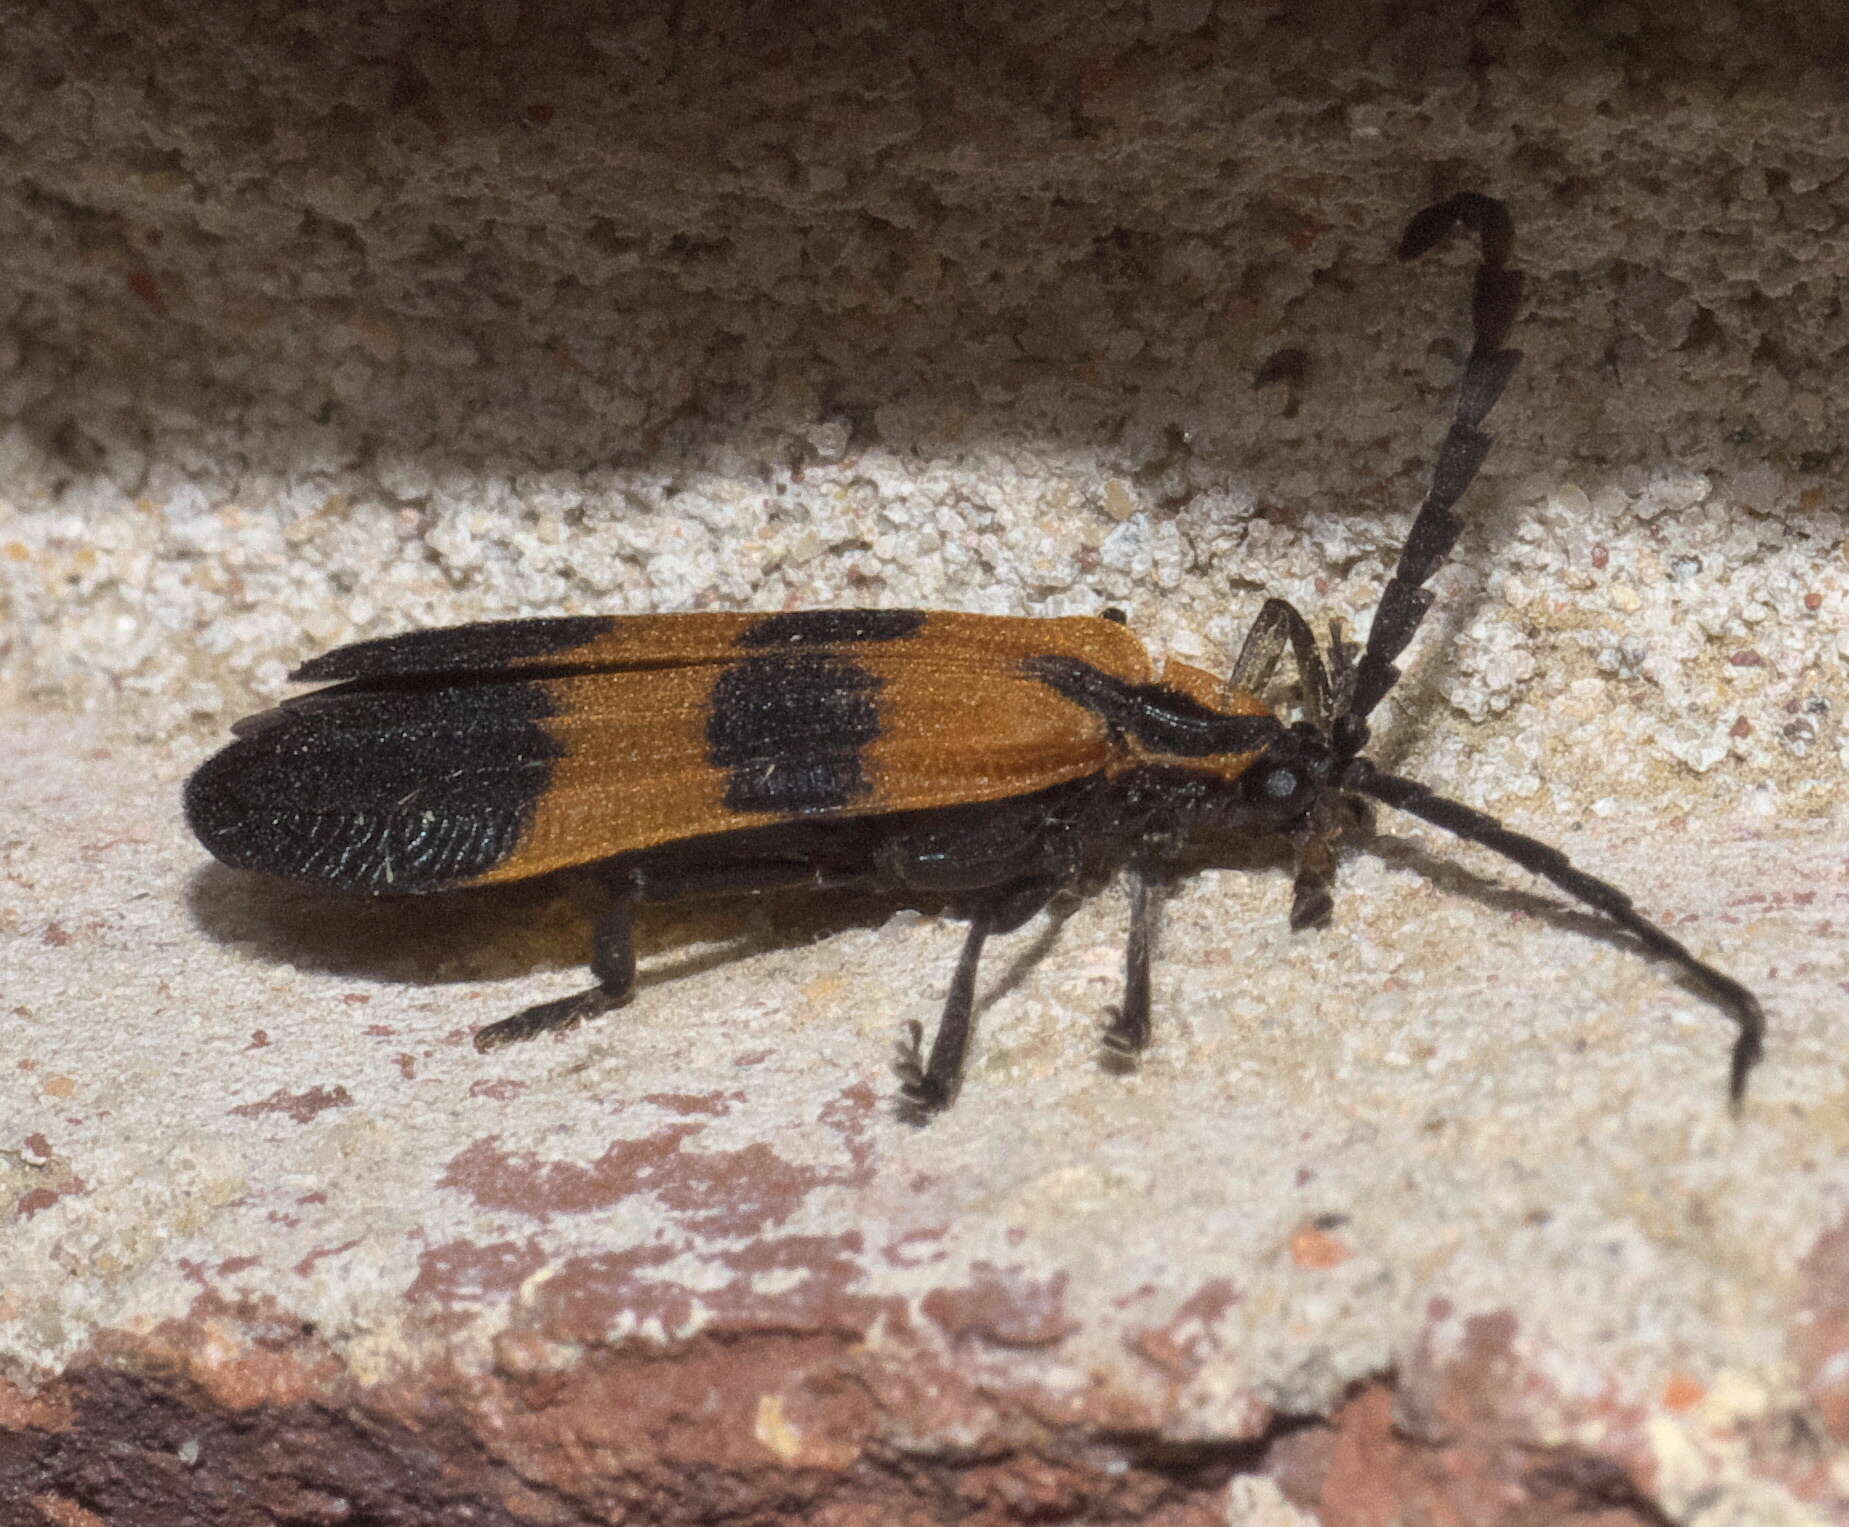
(988, 762)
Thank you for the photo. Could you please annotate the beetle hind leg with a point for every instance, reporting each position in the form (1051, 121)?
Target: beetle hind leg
(613, 962)
(545, 1018)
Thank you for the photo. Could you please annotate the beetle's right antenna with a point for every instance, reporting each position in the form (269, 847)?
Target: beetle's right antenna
(1436, 527)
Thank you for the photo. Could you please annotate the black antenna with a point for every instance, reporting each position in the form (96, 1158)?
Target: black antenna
(1550, 864)
(1405, 600)
(1435, 529)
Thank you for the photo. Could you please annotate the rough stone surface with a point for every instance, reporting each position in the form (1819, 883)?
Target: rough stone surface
(321, 322)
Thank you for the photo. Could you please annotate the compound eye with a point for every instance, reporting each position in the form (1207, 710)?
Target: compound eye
(1280, 784)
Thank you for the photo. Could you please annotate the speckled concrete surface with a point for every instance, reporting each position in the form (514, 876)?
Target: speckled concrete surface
(480, 313)
(250, 1143)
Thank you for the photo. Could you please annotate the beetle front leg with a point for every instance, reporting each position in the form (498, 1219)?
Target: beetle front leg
(1277, 623)
(1313, 846)
(927, 1087)
(1126, 1036)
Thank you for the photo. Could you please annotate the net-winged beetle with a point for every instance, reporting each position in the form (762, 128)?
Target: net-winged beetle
(990, 762)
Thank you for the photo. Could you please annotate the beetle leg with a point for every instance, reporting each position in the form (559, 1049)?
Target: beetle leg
(1000, 851)
(613, 962)
(1263, 646)
(613, 951)
(1343, 656)
(1311, 903)
(1277, 622)
(1550, 864)
(744, 877)
(927, 1087)
(1127, 1034)
(930, 1086)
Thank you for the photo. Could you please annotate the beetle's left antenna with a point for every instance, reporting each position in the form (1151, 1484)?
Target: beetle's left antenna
(1436, 527)
(1550, 864)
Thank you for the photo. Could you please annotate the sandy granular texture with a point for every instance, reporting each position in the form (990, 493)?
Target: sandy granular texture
(331, 322)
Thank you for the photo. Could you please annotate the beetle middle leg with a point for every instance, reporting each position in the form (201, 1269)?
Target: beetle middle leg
(1002, 864)
(928, 1086)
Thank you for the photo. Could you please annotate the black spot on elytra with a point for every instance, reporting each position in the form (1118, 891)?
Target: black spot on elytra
(479, 648)
(393, 789)
(788, 731)
(831, 628)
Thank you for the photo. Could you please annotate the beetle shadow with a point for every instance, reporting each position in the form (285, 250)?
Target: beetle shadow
(1463, 586)
(1556, 909)
(494, 933)
(1023, 961)
(1273, 857)
(497, 933)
